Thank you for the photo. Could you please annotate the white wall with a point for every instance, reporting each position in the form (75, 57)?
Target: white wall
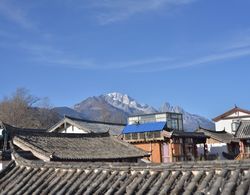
(224, 125)
(227, 123)
(3, 164)
(73, 129)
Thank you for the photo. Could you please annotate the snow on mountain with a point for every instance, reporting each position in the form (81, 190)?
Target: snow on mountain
(190, 121)
(127, 104)
(116, 107)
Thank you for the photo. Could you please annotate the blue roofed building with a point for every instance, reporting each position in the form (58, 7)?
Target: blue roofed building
(162, 135)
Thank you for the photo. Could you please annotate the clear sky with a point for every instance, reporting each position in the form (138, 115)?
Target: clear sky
(192, 53)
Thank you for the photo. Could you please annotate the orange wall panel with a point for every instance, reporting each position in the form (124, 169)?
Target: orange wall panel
(155, 148)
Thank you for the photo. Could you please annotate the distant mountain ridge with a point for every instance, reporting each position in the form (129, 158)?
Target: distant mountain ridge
(116, 107)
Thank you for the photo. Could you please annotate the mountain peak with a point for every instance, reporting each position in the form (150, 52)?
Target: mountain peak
(123, 98)
(116, 107)
(127, 104)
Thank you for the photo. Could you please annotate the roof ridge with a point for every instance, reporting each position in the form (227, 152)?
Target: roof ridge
(213, 131)
(93, 121)
(234, 109)
(65, 135)
(218, 164)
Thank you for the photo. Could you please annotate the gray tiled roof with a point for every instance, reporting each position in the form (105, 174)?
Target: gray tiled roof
(221, 136)
(29, 177)
(114, 129)
(244, 129)
(11, 130)
(188, 134)
(85, 147)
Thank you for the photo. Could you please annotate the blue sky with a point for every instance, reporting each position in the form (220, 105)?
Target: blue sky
(192, 53)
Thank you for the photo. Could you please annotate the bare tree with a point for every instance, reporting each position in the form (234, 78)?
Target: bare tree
(21, 110)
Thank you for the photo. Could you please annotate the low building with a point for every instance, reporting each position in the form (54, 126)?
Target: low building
(162, 135)
(36, 177)
(219, 144)
(76, 125)
(90, 147)
(7, 132)
(230, 120)
(243, 134)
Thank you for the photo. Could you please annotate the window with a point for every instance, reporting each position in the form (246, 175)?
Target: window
(134, 136)
(235, 124)
(174, 116)
(127, 136)
(174, 123)
(247, 146)
(189, 140)
(180, 125)
(142, 136)
(147, 119)
(150, 135)
(157, 134)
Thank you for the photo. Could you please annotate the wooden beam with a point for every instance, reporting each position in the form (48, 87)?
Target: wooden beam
(35, 153)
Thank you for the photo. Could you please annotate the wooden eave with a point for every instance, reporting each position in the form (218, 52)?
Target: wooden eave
(67, 120)
(145, 140)
(25, 147)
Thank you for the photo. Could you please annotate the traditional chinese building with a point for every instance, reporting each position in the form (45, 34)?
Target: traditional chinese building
(236, 122)
(208, 177)
(243, 134)
(7, 132)
(90, 147)
(220, 144)
(162, 135)
(230, 120)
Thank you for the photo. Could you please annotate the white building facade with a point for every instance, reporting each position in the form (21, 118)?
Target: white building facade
(230, 120)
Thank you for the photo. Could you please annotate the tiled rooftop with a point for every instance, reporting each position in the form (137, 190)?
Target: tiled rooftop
(221, 136)
(84, 147)
(244, 129)
(36, 177)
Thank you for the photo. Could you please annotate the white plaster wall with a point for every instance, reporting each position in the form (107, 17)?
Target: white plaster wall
(3, 164)
(74, 129)
(227, 123)
(224, 124)
(238, 114)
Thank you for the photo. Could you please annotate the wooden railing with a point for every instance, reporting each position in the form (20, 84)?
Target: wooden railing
(243, 156)
(246, 155)
(239, 157)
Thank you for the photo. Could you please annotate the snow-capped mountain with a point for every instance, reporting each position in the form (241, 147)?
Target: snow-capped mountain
(127, 104)
(116, 107)
(190, 121)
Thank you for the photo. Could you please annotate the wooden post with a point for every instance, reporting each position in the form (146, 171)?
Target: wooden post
(160, 144)
(65, 127)
(205, 151)
(242, 149)
(184, 147)
(170, 150)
